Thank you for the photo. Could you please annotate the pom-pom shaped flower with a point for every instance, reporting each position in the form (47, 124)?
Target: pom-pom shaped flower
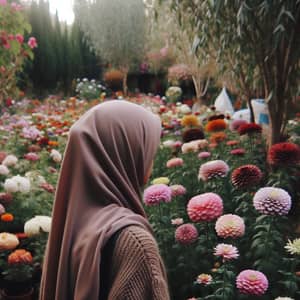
(272, 201)
(157, 193)
(37, 224)
(212, 169)
(238, 151)
(205, 279)
(20, 256)
(230, 226)
(178, 190)
(252, 282)
(177, 221)
(17, 184)
(174, 162)
(10, 160)
(284, 154)
(56, 156)
(192, 134)
(246, 176)
(190, 121)
(205, 207)
(226, 251)
(249, 128)
(217, 137)
(4, 170)
(8, 241)
(293, 247)
(5, 198)
(31, 156)
(161, 180)
(235, 124)
(215, 125)
(186, 234)
(204, 154)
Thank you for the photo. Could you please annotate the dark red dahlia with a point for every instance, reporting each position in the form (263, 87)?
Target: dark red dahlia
(192, 134)
(246, 176)
(250, 128)
(284, 154)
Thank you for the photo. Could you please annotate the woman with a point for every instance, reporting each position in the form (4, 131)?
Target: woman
(101, 244)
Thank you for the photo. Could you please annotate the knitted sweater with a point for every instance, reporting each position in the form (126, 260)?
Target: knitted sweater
(136, 271)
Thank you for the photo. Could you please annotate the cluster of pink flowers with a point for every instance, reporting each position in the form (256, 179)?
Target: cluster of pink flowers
(186, 234)
(157, 193)
(205, 207)
(230, 225)
(252, 282)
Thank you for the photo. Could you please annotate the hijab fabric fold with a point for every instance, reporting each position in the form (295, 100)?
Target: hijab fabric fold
(109, 151)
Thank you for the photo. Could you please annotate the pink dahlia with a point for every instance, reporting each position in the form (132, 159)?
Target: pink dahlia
(174, 162)
(252, 282)
(272, 201)
(31, 156)
(212, 169)
(230, 226)
(186, 234)
(205, 279)
(235, 124)
(284, 154)
(226, 251)
(177, 221)
(157, 193)
(178, 190)
(238, 151)
(246, 176)
(205, 207)
(204, 154)
(232, 143)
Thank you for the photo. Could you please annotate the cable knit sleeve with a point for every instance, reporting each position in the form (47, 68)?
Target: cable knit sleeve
(137, 271)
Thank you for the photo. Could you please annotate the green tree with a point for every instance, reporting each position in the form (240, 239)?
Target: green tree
(115, 29)
(261, 38)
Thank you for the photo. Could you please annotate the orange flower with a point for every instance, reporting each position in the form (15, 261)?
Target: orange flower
(190, 121)
(218, 137)
(20, 256)
(216, 125)
(7, 217)
(53, 143)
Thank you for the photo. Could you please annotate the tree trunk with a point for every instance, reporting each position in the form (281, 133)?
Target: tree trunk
(275, 123)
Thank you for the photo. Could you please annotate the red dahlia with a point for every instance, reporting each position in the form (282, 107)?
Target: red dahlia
(250, 128)
(246, 176)
(284, 154)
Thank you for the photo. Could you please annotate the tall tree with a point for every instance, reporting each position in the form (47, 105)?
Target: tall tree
(262, 39)
(115, 29)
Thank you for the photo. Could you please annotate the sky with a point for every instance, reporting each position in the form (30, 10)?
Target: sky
(64, 9)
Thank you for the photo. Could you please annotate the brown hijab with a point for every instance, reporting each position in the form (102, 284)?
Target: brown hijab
(109, 151)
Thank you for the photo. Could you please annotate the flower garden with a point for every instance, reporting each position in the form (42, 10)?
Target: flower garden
(224, 195)
(224, 210)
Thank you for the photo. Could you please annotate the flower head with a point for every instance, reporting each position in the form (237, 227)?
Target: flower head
(215, 125)
(178, 190)
(174, 162)
(284, 154)
(161, 180)
(205, 207)
(283, 298)
(20, 256)
(10, 160)
(249, 128)
(31, 156)
(156, 194)
(4, 170)
(272, 201)
(177, 221)
(246, 176)
(205, 279)
(212, 169)
(36, 225)
(56, 156)
(192, 134)
(186, 234)
(235, 124)
(252, 282)
(230, 226)
(190, 121)
(8, 241)
(204, 154)
(238, 151)
(226, 251)
(217, 137)
(32, 43)
(293, 247)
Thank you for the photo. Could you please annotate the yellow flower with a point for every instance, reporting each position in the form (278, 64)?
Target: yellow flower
(161, 180)
(190, 121)
(293, 247)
